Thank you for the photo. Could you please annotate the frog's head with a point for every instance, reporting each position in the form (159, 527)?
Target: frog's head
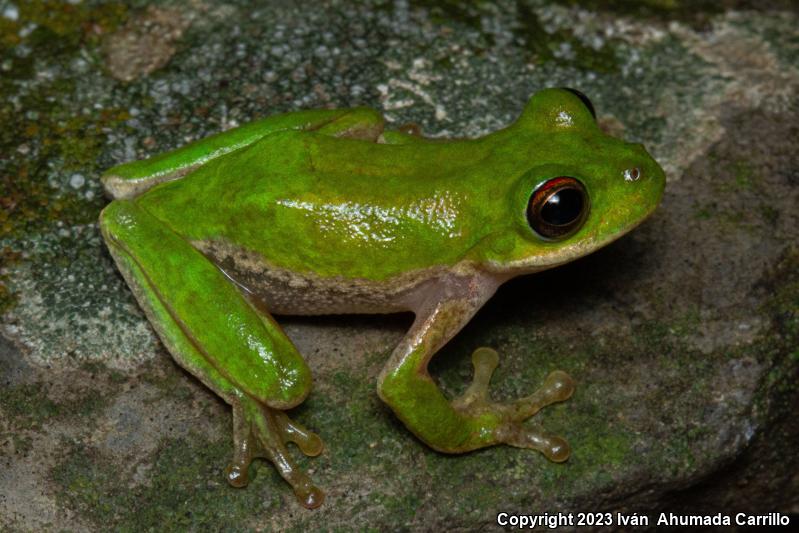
(577, 190)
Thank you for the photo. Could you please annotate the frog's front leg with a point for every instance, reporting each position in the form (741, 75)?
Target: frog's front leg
(471, 421)
(217, 335)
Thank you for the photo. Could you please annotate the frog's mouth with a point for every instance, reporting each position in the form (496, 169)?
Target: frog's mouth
(566, 253)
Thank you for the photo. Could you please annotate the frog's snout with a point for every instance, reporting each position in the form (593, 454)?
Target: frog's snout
(644, 168)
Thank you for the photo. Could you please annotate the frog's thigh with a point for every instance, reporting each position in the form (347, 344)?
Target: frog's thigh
(132, 179)
(202, 318)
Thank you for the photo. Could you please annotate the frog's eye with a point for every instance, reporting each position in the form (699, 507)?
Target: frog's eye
(584, 99)
(557, 208)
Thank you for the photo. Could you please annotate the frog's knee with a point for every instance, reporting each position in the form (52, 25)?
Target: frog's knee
(388, 385)
(117, 218)
(295, 385)
(359, 123)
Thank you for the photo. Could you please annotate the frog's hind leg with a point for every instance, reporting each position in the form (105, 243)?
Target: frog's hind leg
(131, 179)
(216, 334)
(558, 387)
(259, 431)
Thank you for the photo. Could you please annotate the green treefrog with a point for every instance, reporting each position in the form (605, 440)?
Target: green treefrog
(325, 211)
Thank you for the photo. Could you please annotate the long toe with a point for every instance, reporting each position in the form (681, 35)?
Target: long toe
(306, 440)
(554, 448)
(485, 361)
(310, 497)
(270, 433)
(558, 387)
(236, 475)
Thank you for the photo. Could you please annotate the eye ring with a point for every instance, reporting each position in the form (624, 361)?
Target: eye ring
(558, 208)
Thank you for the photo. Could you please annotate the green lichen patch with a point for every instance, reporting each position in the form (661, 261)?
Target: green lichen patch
(167, 377)
(31, 201)
(183, 489)
(52, 35)
(57, 27)
(780, 345)
(7, 258)
(30, 409)
(27, 405)
(358, 430)
(540, 43)
(441, 12)
(76, 23)
(563, 45)
(781, 282)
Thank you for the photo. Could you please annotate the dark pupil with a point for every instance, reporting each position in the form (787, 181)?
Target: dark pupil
(563, 207)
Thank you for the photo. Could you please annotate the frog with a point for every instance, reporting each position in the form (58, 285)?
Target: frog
(330, 211)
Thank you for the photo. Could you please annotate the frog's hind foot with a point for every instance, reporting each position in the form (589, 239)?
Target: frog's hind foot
(557, 387)
(260, 431)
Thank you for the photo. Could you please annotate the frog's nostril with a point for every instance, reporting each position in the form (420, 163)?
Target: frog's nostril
(632, 174)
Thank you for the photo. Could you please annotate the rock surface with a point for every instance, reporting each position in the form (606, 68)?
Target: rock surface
(682, 336)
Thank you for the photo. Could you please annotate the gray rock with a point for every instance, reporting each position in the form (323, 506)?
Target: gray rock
(682, 336)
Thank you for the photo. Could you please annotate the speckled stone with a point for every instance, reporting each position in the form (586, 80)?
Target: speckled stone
(682, 336)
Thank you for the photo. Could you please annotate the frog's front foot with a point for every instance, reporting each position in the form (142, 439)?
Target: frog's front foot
(260, 431)
(475, 402)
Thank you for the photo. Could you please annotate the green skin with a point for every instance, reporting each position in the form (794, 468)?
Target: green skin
(323, 211)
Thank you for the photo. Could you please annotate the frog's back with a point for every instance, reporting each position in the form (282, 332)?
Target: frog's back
(328, 207)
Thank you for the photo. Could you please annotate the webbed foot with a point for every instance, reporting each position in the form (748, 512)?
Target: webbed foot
(260, 431)
(475, 401)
